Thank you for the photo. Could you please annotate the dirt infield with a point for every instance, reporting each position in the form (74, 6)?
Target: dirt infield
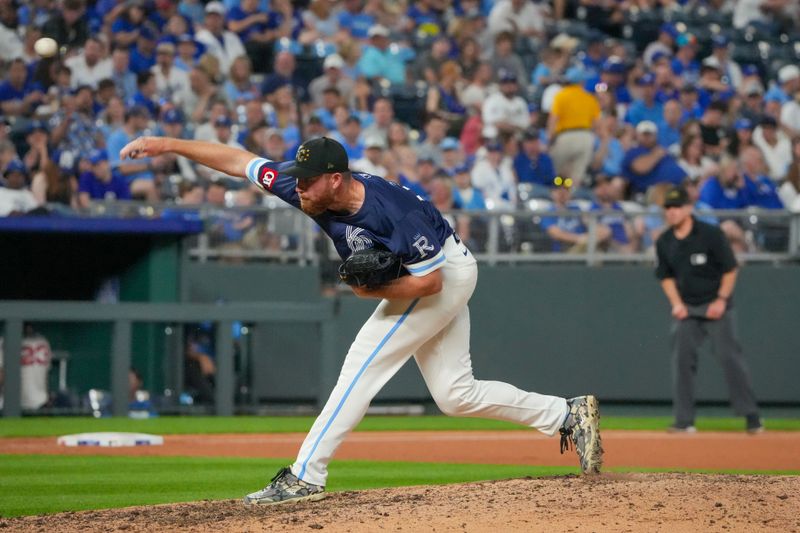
(606, 503)
(609, 502)
(768, 451)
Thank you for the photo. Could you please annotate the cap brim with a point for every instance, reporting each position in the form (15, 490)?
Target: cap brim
(302, 173)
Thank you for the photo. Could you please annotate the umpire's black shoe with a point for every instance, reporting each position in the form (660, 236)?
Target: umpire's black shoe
(582, 429)
(681, 428)
(754, 424)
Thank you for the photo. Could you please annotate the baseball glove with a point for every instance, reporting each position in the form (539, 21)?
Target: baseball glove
(370, 268)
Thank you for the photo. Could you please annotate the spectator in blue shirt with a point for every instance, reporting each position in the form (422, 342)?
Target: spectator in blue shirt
(621, 239)
(138, 172)
(145, 95)
(532, 164)
(33, 15)
(612, 77)
(188, 52)
(645, 107)
(246, 20)
(124, 80)
(143, 55)
(422, 17)
(788, 84)
(595, 55)
(192, 10)
(465, 195)
(685, 65)
(125, 28)
(690, 106)
(19, 96)
(101, 183)
(762, 188)
(258, 31)
(608, 149)
(647, 163)
(331, 99)
(730, 189)
(669, 127)
(353, 19)
(712, 86)
(426, 172)
(349, 135)
(379, 60)
(568, 232)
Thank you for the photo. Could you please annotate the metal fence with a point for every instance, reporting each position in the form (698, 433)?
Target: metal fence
(276, 232)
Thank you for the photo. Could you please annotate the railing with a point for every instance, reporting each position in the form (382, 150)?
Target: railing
(122, 316)
(276, 232)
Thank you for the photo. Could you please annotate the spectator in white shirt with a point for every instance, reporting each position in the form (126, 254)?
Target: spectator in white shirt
(494, 176)
(790, 115)
(15, 197)
(505, 109)
(372, 162)
(521, 17)
(776, 147)
(172, 83)
(90, 66)
(224, 45)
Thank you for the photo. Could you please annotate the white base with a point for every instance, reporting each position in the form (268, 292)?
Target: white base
(112, 439)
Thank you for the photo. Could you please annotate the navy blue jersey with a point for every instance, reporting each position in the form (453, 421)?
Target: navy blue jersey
(391, 217)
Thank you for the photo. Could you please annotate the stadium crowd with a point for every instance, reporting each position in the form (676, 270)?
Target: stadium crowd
(569, 105)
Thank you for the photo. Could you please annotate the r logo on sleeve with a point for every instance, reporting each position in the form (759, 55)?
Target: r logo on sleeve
(422, 245)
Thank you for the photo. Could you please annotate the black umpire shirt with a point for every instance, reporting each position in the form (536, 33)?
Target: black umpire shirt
(697, 262)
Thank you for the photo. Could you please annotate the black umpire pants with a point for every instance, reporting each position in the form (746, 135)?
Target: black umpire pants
(687, 336)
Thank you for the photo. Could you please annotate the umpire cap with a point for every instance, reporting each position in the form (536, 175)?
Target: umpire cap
(676, 197)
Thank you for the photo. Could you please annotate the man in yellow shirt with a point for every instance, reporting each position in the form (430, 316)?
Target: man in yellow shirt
(570, 126)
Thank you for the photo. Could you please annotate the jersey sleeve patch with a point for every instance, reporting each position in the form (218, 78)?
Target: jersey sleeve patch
(260, 173)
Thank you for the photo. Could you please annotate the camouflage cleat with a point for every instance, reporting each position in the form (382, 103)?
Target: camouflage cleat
(285, 487)
(582, 427)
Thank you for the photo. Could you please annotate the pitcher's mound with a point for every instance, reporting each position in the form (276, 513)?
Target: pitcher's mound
(610, 502)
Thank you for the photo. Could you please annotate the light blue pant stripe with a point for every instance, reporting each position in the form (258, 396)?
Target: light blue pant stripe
(353, 383)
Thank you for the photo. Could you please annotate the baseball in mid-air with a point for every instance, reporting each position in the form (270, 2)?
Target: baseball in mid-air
(45, 47)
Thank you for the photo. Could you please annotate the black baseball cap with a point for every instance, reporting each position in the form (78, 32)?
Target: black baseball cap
(676, 197)
(318, 156)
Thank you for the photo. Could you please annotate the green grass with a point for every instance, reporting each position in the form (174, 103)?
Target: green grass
(48, 484)
(38, 484)
(47, 427)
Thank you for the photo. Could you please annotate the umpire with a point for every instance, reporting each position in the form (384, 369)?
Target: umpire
(698, 271)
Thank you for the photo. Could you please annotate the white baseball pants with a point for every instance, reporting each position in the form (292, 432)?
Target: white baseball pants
(434, 329)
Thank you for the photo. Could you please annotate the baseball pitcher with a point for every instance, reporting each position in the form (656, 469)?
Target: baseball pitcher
(422, 312)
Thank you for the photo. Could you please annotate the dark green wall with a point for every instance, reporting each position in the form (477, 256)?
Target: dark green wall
(210, 282)
(153, 278)
(568, 330)
(555, 329)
